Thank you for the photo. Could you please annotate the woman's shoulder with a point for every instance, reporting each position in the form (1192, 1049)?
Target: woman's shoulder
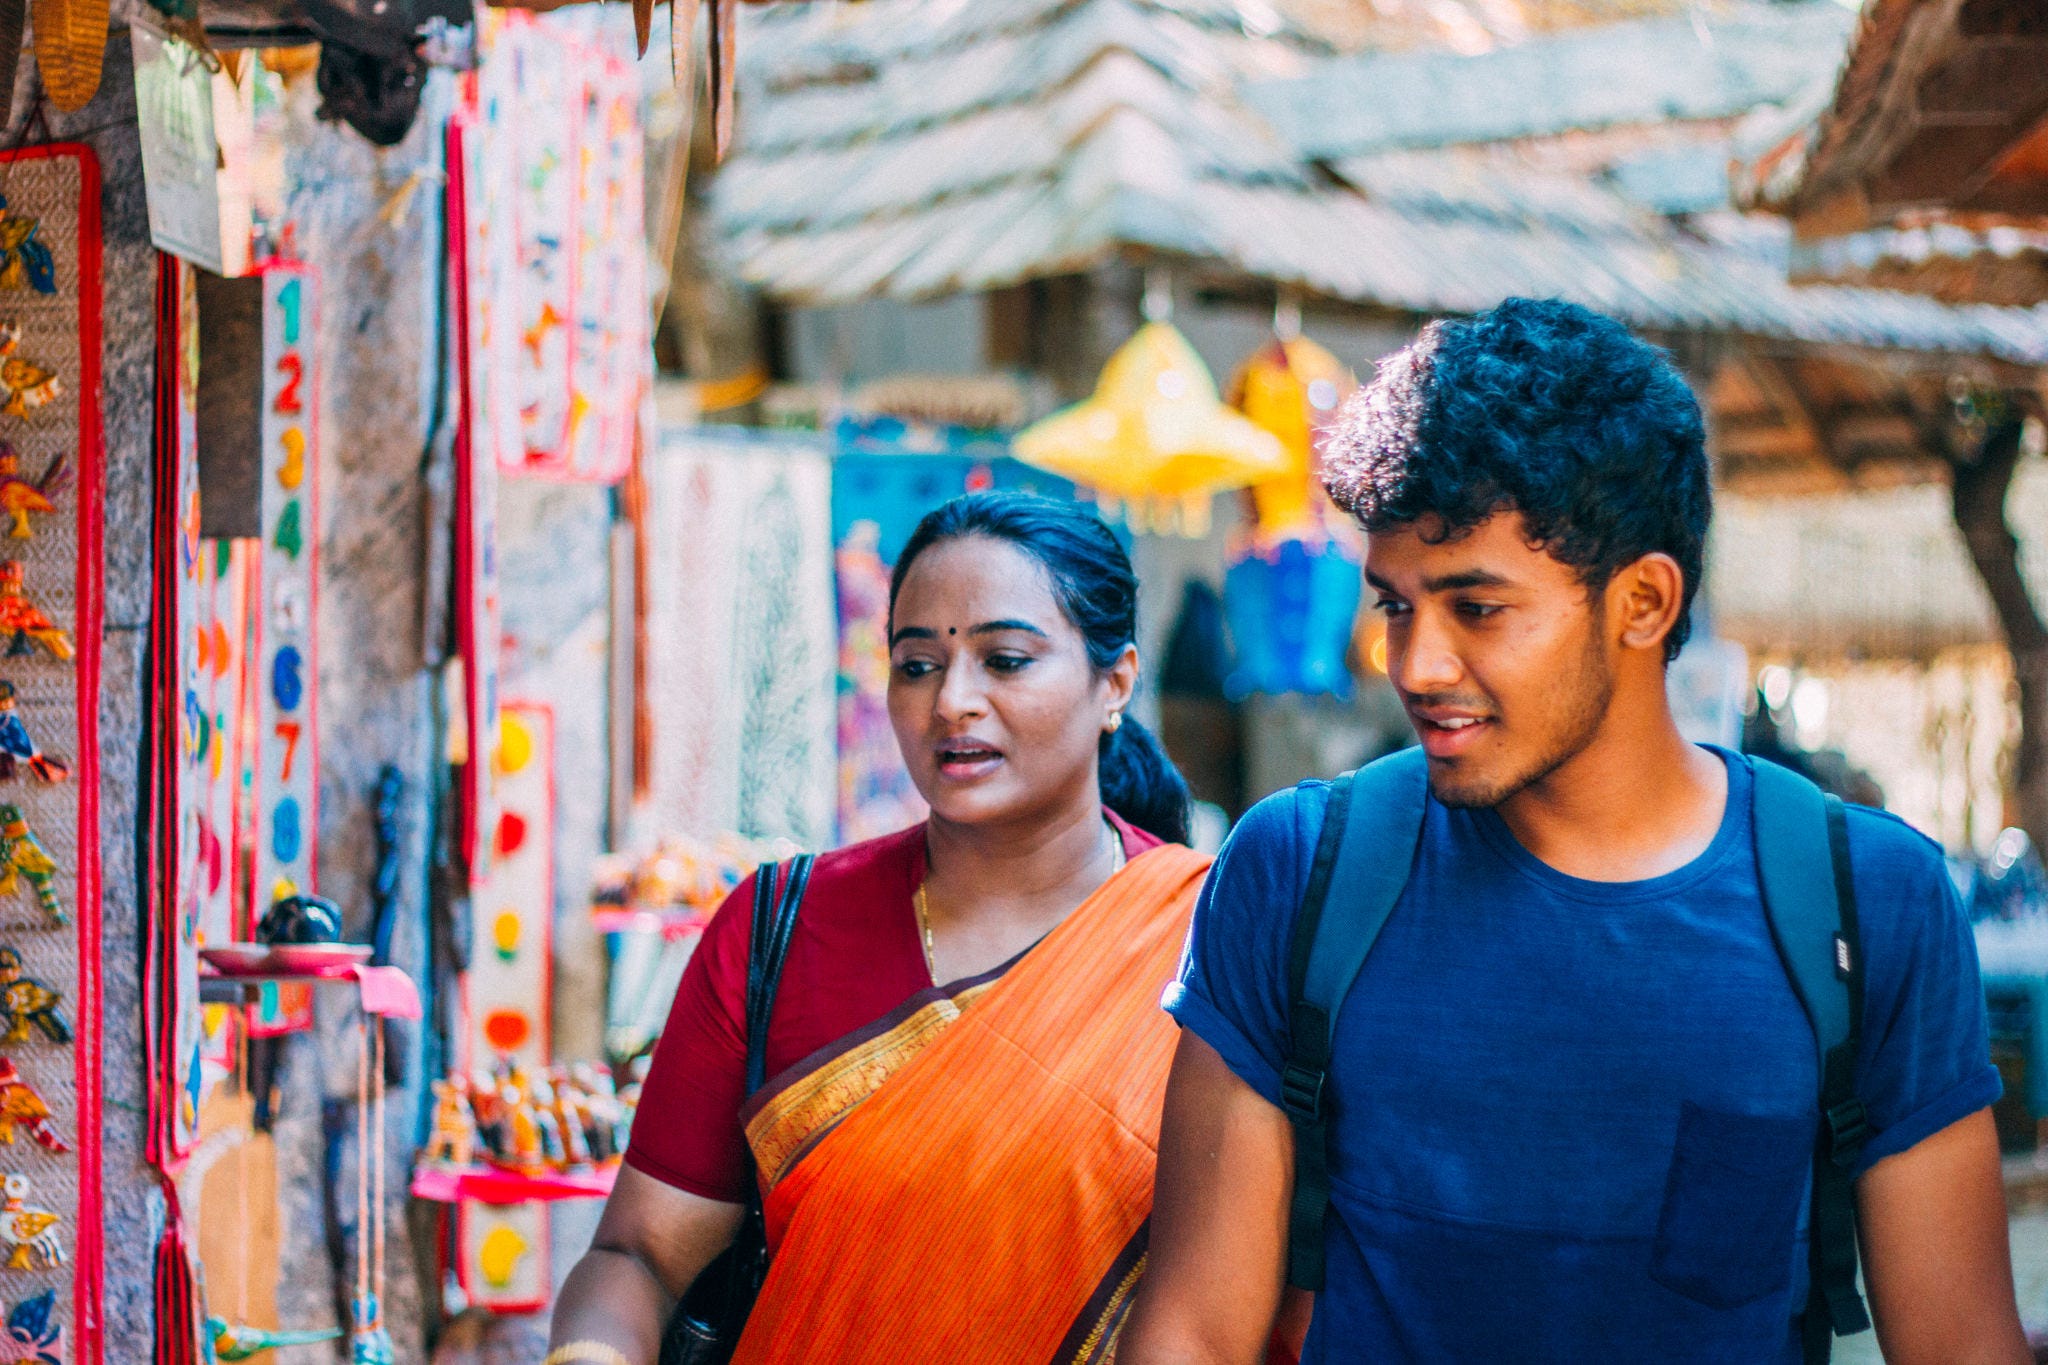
(854, 879)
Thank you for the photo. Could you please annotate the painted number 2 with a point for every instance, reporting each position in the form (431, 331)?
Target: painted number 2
(293, 369)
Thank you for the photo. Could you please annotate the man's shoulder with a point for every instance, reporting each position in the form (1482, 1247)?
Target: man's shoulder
(1885, 849)
(1286, 819)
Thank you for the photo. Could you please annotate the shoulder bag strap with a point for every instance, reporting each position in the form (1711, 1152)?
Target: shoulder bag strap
(1810, 901)
(778, 896)
(1370, 831)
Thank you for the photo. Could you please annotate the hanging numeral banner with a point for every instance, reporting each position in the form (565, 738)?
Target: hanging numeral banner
(287, 661)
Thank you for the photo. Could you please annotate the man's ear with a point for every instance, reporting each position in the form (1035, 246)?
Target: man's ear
(1645, 600)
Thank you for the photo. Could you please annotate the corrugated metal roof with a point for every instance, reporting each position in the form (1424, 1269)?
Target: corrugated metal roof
(912, 148)
(1686, 68)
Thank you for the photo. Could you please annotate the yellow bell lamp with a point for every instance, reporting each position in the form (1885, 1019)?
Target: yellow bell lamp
(1291, 388)
(1154, 438)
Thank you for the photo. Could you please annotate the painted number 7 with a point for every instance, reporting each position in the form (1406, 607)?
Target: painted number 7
(288, 731)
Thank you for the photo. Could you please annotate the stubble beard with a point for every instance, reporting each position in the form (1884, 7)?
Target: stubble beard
(1587, 698)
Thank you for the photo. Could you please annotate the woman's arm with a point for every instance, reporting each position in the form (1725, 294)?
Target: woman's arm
(651, 1243)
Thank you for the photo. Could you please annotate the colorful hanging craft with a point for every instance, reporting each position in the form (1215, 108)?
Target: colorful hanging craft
(25, 260)
(28, 384)
(237, 1341)
(22, 1107)
(24, 624)
(18, 747)
(369, 1339)
(287, 665)
(51, 490)
(28, 1232)
(1155, 440)
(1292, 587)
(505, 994)
(34, 1335)
(27, 1004)
(71, 45)
(23, 858)
(19, 497)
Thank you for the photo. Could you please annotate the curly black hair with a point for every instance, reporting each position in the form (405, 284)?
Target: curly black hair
(1543, 408)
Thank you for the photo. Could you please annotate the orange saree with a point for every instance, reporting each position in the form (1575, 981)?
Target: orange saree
(969, 1179)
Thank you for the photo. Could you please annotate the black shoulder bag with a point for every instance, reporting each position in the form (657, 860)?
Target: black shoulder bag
(706, 1325)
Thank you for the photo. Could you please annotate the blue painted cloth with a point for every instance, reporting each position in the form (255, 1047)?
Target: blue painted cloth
(1573, 1121)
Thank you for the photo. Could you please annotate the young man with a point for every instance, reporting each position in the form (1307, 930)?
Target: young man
(1573, 1095)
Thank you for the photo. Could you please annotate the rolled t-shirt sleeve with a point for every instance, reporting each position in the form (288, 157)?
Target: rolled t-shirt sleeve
(1231, 991)
(1925, 1059)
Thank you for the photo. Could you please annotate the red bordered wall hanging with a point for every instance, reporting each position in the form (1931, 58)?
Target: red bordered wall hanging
(502, 1249)
(287, 660)
(51, 483)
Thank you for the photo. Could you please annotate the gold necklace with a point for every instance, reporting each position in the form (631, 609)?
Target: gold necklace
(922, 904)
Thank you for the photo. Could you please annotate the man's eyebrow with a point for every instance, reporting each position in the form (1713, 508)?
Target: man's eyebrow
(993, 627)
(1466, 578)
(912, 633)
(1450, 582)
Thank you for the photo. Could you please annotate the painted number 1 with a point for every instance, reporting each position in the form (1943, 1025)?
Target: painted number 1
(288, 302)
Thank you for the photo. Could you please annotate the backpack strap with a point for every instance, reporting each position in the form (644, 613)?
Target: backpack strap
(1810, 902)
(1370, 830)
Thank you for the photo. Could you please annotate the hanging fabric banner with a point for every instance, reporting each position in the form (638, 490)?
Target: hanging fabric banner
(742, 647)
(51, 482)
(508, 1022)
(481, 359)
(286, 686)
(556, 246)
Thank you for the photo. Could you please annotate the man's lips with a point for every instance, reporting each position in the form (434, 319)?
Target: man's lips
(1447, 733)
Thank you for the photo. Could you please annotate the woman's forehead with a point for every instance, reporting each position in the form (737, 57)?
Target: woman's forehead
(977, 579)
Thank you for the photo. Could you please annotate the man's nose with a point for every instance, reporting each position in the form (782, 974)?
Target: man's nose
(1422, 657)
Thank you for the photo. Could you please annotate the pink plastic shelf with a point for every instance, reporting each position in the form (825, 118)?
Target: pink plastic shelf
(488, 1185)
(385, 990)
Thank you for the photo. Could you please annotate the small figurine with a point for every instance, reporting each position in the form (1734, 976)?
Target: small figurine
(22, 1107)
(561, 1131)
(21, 619)
(369, 1342)
(27, 1232)
(17, 746)
(24, 260)
(455, 1131)
(19, 497)
(235, 1341)
(26, 1002)
(22, 856)
(524, 1149)
(28, 385)
(33, 1334)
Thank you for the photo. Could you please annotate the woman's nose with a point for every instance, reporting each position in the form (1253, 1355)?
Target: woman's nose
(961, 693)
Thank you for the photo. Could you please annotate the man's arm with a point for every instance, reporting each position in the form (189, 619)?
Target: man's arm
(1218, 1255)
(1936, 1257)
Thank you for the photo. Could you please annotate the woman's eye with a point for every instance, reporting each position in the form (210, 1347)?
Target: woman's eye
(915, 668)
(1008, 663)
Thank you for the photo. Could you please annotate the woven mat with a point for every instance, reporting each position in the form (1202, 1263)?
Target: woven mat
(60, 191)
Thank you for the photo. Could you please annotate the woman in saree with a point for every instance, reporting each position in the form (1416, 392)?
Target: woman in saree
(966, 1058)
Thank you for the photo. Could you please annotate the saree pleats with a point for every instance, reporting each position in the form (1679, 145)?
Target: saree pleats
(986, 1200)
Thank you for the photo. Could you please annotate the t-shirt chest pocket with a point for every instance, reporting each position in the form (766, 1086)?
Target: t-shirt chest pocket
(1730, 1219)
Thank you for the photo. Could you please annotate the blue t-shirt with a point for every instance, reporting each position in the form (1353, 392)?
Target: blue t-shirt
(1573, 1120)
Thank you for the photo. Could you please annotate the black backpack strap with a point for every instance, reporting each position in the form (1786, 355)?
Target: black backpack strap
(1370, 830)
(778, 895)
(1810, 902)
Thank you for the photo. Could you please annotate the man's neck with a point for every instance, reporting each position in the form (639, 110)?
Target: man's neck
(1638, 802)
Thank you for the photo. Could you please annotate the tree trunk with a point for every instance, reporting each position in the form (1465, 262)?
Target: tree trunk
(1982, 479)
